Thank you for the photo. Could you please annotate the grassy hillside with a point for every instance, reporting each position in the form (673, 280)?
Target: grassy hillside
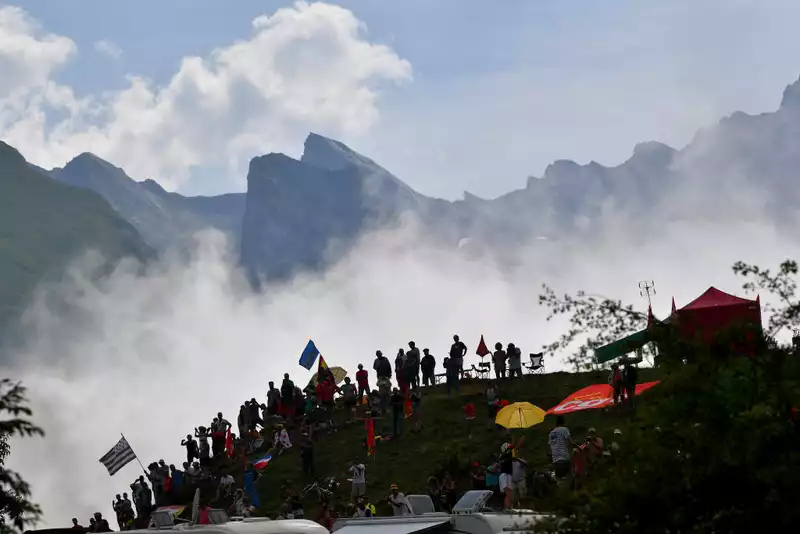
(444, 443)
(44, 224)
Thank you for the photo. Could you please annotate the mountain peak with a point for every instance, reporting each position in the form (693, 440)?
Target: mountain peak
(330, 154)
(791, 96)
(9, 153)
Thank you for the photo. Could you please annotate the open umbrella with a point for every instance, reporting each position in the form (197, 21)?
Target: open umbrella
(520, 415)
(338, 375)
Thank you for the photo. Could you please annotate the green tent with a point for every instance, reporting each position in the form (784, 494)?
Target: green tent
(623, 346)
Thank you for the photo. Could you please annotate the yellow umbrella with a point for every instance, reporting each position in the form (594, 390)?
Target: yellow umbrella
(520, 415)
(338, 375)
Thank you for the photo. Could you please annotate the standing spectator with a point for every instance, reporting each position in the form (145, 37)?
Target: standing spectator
(399, 371)
(428, 365)
(201, 433)
(457, 352)
(241, 421)
(349, 395)
(383, 370)
(253, 416)
(273, 399)
(629, 382)
(514, 361)
(177, 479)
(326, 389)
(615, 379)
(398, 501)
(306, 446)
(76, 525)
(560, 441)
(397, 402)
(191, 448)
(506, 480)
(518, 480)
(412, 365)
(362, 379)
(499, 358)
(287, 397)
(359, 473)
(452, 368)
(435, 493)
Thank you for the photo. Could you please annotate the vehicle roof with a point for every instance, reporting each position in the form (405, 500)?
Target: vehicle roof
(476, 523)
(278, 526)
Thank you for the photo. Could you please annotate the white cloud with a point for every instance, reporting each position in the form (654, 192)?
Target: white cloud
(153, 355)
(305, 67)
(28, 56)
(108, 48)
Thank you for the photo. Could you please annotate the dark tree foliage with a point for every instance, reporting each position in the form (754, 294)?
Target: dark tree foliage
(16, 510)
(594, 321)
(714, 448)
(784, 312)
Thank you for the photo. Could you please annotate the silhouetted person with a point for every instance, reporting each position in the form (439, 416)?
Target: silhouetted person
(457, 352)
(428, 366)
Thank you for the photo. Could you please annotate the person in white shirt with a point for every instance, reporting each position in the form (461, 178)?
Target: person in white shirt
(226, 483)
(398, 501)
(359, 472)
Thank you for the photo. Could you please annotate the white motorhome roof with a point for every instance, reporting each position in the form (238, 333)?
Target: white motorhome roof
(477, 523)
(280, 526)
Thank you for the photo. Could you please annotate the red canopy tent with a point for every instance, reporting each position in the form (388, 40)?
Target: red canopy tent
(714, 311)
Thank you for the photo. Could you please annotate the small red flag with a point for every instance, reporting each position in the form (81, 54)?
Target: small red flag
(229, 444)
(483, 350)
(370, 424)
(407, 405)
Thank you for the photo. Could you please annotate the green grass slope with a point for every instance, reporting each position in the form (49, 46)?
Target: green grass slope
(45, 224)
(444, 443)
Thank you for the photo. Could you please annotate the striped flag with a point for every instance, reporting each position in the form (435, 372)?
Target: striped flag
(118, 457)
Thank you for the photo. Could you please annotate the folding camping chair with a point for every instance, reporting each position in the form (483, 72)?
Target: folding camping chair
(537, 363)
(482, 371)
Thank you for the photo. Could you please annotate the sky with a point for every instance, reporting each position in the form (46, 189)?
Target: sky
(451, 95)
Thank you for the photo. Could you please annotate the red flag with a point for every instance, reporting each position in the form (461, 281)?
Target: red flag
(370, 424)
(229, 444)
(407, 405)
(483, 350)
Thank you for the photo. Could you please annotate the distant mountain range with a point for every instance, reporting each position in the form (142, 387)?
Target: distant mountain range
(304, 214)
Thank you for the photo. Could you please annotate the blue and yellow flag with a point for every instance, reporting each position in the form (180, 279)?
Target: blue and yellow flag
(309, 355)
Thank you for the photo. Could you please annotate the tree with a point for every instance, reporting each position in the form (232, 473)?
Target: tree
(716, 447)
(16, 510)
(594, 321)
(784, 312)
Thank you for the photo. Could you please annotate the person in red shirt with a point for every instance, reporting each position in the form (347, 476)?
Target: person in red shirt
(362, 378)
(326, 389)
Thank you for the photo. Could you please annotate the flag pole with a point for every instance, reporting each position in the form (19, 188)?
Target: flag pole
(134, 454)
